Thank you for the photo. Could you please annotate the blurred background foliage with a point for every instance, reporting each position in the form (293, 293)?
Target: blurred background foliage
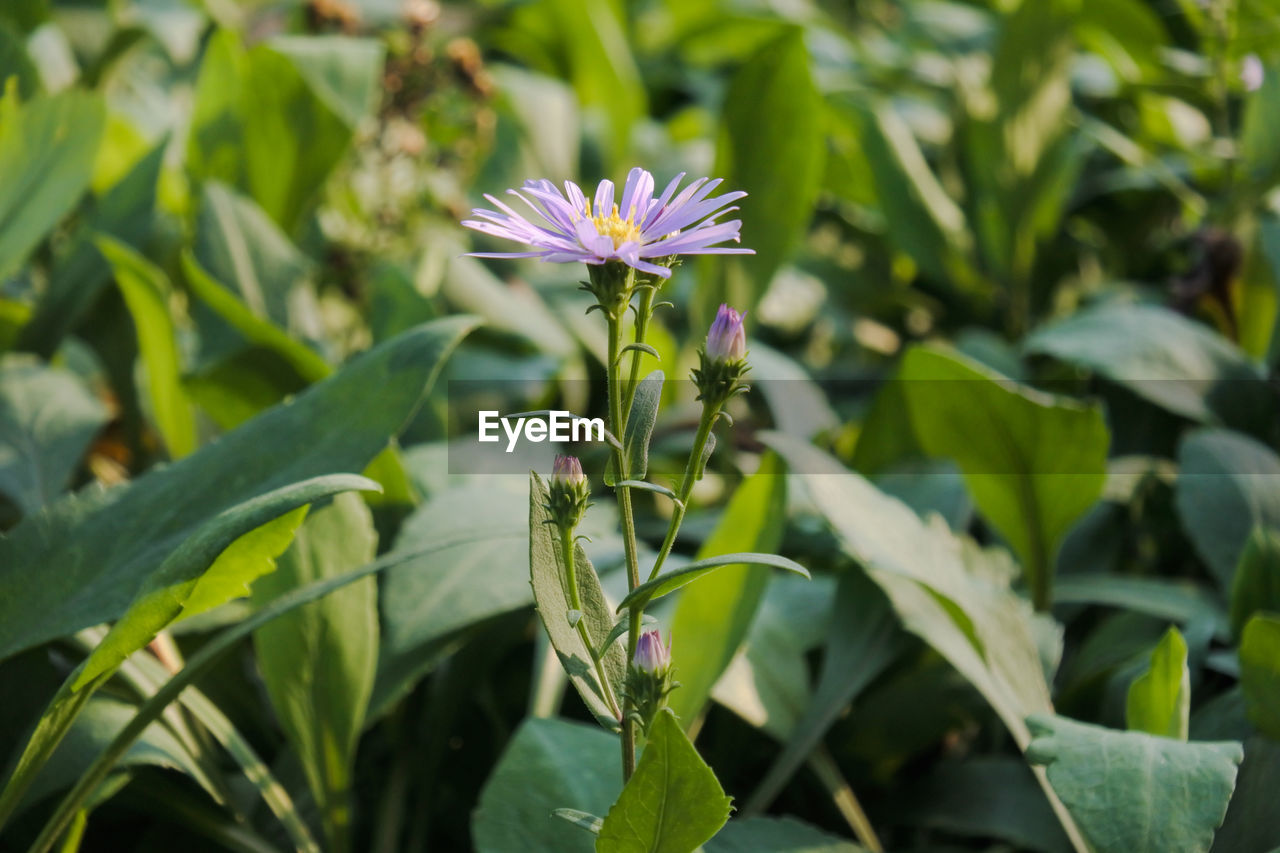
(1055, 220)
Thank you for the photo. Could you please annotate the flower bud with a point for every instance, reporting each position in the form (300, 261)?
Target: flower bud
(727, 340)
(649, 679)
(569, 492)
(723, 359)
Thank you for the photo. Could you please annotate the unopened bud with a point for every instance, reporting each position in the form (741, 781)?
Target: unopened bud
(727, 340)
(569, 492)
(649, 678)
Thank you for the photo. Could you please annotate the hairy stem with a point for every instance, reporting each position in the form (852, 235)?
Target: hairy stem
(692, 470)
(575, 602)
(644, 310)
(628, 528)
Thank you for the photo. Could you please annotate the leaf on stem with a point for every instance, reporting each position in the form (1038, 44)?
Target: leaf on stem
(673, 580)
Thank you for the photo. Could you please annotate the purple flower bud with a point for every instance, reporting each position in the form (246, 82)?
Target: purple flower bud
(727, 340)
(567, 470)
(652, 657)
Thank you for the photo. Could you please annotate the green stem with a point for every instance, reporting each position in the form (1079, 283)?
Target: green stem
(644, 310)
(575, 603)
(628, 528)
(692, 470)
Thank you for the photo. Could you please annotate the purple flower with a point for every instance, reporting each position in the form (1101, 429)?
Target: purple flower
(651, 657)
(567, 470)
(569, 227)
(727, 340)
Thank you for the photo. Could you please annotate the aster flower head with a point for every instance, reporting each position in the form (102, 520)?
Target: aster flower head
(636, 229)
(569, 494)
(567, 470)
(651, 657)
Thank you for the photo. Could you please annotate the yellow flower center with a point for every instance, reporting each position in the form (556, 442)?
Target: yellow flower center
(614, 227)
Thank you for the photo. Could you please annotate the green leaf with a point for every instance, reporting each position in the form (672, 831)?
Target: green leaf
(309, 364)
(776, 835)
(1033, 463)
(344, 72)
(669, 582)
(1167, 599)
(1175, 363)
(107, 546)
(430, 599)
(862, 641)
(711, 619)
(318, 661)
(1153, 794)
(672, 804)
(584, 820)
(146, 291)
(1259, 160)
(47, 418)
(47, 150)
(1260, 672)
(546, 569)
(273, 131)
(548, 764)
(640, 423)
(77, 278)
(1256, 585)
(777, 162)
(1159, 700)
(1224, 491)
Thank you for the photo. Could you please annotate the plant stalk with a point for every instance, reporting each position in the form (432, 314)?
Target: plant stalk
(692, 470)
(575, 602)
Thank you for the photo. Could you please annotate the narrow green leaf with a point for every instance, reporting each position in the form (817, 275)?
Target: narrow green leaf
(1159, 700)
(712, 618)
(547, 575)
(48, 418)
(1033, 463)
(1133, 792)
(639, 429)
(669, 582)
(1260, 672)
(318, 662)
(646, 486)
(146, 292)
(1164, 598)
(672, 804)
(1256, 586)
(310, 365)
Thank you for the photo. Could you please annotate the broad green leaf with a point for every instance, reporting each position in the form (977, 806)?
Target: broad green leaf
(429, 599)
(146, 292)
(669, 582)
(862, 641)
(1127, 33)
(548, 764)
(1175, 363)
(1033, 463)
(1159, 700)
(776, 835)
(1259, 160)
(267, 128)
(47, 149)
(250, 557)
(318, 661)
(922, 221)
(672, 804)
(15, 63)
(346, 73)
(107, 546)
(640, 422)
(1153, 794)
(1172, 600)
(78, 277)
(47, 419)
(1226, 488)
(711, 618)
(778, 162)
(1260, 672)
(546, 569)
(946, 590)
(1256, 586)
(310, 365)
(161, 600)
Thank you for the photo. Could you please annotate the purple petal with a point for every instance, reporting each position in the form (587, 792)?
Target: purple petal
(604, 198)
(637, 195)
